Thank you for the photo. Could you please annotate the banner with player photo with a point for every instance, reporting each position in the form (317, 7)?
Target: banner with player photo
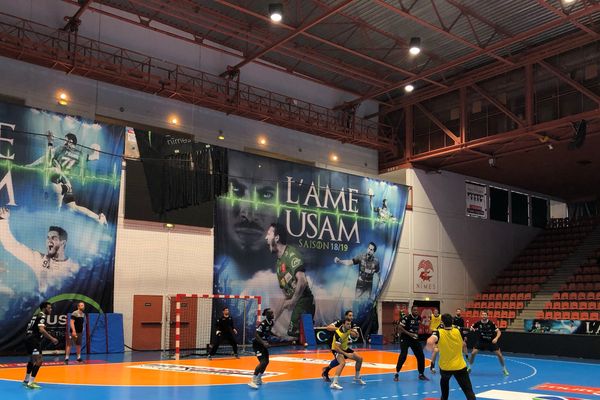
(308, 240)
(564, 327)
(59, 194)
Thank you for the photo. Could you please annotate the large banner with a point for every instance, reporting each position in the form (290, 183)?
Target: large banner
(59, 194)
(565, 327)
(308, 240)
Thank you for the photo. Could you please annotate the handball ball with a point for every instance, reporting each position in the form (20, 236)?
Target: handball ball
(305, 344)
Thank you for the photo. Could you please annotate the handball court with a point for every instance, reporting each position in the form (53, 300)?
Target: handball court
(291, 374)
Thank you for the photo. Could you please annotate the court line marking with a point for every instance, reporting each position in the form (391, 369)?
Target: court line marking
(474, 387)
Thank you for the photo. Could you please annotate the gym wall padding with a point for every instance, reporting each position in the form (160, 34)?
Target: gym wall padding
(106, 333)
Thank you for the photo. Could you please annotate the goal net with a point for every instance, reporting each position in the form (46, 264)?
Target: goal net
(193, 317)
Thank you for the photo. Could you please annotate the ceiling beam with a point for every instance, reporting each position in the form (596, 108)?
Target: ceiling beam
(498, 105)
(567, 17)
(566, 79)
(438, 123)
(304, 27)
(494, 47)
(328, 42)
(442, 31)
(74, 21)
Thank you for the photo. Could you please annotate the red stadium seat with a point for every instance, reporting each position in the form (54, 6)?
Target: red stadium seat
(548, 315)
(512, 314)
(520, 305)
(512, 305)
(483, 305)
(485, 297)
(581, 296)
(468, 314)
(590, 296)
(538, 315)
(584, 316)
(575, 315)
(565, 315)
(520, 296)
(564, 305)
(556, 315)
(594, 316)
(497, 314)
(475, 313)
(583, 305)
(572, 295)
(503, 324)
(512, 297)
(591, 305)
(478, 296)
(526, 297)
(504, 314)
(556, 305)
(560, 296)
(598, 296)
(505, 305)
(573, 305)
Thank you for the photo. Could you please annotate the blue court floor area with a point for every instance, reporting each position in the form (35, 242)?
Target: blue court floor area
(530, 378)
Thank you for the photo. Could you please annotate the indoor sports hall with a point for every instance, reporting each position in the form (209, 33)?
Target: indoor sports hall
(361, 199)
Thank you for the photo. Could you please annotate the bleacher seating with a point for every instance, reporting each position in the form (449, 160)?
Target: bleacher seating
(515, 286)
(579, 297)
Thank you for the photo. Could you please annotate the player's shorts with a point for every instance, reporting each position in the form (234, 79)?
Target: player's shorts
(259, 349)
(348, 350)
(33, 345)
(486, 346)
(78, 339)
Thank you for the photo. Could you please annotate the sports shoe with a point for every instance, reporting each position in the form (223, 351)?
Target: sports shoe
(79, 360)
(423, 377)
(359, 381)
(253, 385)
(237, 355)
(209, 357)
(325, 375)
(33, 385)
(505, 372)
(395, 377)
(432, 369)
(25, 382)
(259, 380)
(66, 361)
(336, 386)
(469, 370)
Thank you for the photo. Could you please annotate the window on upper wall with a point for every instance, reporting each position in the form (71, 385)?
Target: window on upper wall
(519, 208)
(539, 212)
(498, 204)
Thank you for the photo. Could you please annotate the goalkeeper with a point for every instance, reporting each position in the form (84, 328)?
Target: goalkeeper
(225, 331)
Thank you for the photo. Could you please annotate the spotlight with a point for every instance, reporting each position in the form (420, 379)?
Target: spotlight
(262, 140)
(169, 225)
(221, 136)
(276, 12)
(409, 88)
(62, 98)
(333, 157)
(414, 47)
(569, 1)
(173, 120)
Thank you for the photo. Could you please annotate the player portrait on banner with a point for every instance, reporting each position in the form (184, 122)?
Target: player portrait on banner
(59, 194)
(327, 220)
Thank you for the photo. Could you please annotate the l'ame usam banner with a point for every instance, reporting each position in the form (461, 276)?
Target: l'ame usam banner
(308, 240)
(59, 195)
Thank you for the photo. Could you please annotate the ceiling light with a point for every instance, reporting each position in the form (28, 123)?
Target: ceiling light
(62, 98)
(262, 140)
(333, 157)
(276, 12)
(409, 88)
(568, 1)
(221, 136)
(173, 120)
(414, 47)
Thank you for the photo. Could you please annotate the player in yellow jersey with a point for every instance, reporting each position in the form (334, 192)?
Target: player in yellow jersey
(449, 341)
(434, 324)
(341, 351)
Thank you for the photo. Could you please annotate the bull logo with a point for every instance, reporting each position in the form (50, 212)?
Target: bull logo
(426, 269)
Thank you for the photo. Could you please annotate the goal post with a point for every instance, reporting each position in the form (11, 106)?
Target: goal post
(192, 320)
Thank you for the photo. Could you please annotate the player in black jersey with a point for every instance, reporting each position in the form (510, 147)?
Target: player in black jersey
(36, 330)
(75, 333)
(409, 326)
(334, 326)
(488, 340)
(260, 345)
(225, 331)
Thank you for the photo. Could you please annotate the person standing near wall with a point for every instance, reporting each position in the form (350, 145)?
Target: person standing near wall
(448, 339)
(75, 333)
